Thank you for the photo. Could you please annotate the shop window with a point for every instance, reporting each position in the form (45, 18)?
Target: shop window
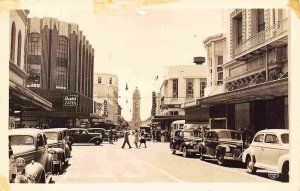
(202, 86)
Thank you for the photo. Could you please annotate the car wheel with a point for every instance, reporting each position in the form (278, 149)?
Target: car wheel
(185, 153)
(97, 142)
(250, 165)
(201, 155)
(220, 158)
(285, 171)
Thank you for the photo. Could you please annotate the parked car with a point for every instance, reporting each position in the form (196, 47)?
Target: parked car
(269, 150)
(29, 154)
(81, 135)
(186, 141)
(58, 147)
(99, 131)
(222, 144)
(120, 134)
(147, 132)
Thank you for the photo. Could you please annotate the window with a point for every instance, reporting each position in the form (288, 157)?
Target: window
(34, 60)
(12, 42)
(19, 49)
(62, 63)
(189, 88)
(173, 112)
(285, 138)
(259, 138)
(239, 30)
(99, 80)
(175, 88)
(220, 70)
(261, 19)
(271, 139)
(110, 80)
(202, 86)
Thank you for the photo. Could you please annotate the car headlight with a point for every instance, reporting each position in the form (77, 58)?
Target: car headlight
(20, 162)
(52, 151)
(227, 148)
(31, 178)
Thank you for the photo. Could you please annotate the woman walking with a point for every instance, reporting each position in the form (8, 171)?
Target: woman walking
(136, 138)
(143, 140)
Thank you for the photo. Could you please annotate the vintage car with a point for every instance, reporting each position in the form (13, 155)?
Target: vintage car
(222, 144)
(269, 150)
(186, 141)
(82, 135)
(120, 134)
(30, 156)
(58, 147)
(147, 132)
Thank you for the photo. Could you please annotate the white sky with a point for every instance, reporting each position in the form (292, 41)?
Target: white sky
(141, 47)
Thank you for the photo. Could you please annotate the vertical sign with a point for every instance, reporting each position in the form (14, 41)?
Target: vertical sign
(105, 107)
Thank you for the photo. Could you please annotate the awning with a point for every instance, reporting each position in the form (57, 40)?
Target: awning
(160, 118)
(264, 91)
(22, 97)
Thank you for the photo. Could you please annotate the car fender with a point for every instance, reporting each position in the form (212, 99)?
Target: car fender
(95, 138)
(60, 153)
(35, 169)
(281, 161)
(247, 152)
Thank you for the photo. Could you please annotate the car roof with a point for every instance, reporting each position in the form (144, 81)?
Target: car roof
(277, 131)
(54, 129)
(78, 129)
(95, 128)
(219, 130)
(25, 131)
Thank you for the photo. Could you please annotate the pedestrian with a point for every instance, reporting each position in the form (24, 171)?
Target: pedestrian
(163, 136)
(143, 140)
(136, 138)
(126, 140)
(111, 136)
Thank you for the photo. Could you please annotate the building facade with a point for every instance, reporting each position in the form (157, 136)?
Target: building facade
(136, 108)
(106, 93)
(254, 90)
(182, 84)
(60, 64)
(21, 99)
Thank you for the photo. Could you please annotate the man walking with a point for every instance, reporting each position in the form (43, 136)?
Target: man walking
(126, 140)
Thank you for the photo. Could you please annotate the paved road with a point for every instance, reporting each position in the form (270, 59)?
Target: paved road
(112, 164)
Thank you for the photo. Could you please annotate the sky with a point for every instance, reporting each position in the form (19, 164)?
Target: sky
(136, 47)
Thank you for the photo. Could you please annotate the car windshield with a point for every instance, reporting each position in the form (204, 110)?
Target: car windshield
(197, 134)
(229, 135)
(285, 138)
(21, 140)
(52, 135)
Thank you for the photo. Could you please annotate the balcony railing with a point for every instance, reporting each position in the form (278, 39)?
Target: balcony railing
(262, 38)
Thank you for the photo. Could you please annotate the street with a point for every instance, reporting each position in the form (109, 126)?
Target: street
(109, 163)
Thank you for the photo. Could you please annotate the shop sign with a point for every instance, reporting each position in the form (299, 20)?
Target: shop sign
(70, 100)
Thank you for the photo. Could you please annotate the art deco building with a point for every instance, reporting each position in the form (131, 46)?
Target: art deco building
(60, 62)
(136, 106)
(21, 99)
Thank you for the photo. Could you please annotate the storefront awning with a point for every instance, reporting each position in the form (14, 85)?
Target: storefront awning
(22, 97)
(160, 118)
(264, 91)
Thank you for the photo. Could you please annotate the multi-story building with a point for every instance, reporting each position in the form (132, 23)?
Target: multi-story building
(21, 99)
(182, 83)
(136, 108)
(253, 93)
(106, 93)
(60, 64)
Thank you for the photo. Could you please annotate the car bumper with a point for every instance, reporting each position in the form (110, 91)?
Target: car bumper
(231, 156)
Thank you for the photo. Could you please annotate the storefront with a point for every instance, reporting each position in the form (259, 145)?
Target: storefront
(264, 106)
